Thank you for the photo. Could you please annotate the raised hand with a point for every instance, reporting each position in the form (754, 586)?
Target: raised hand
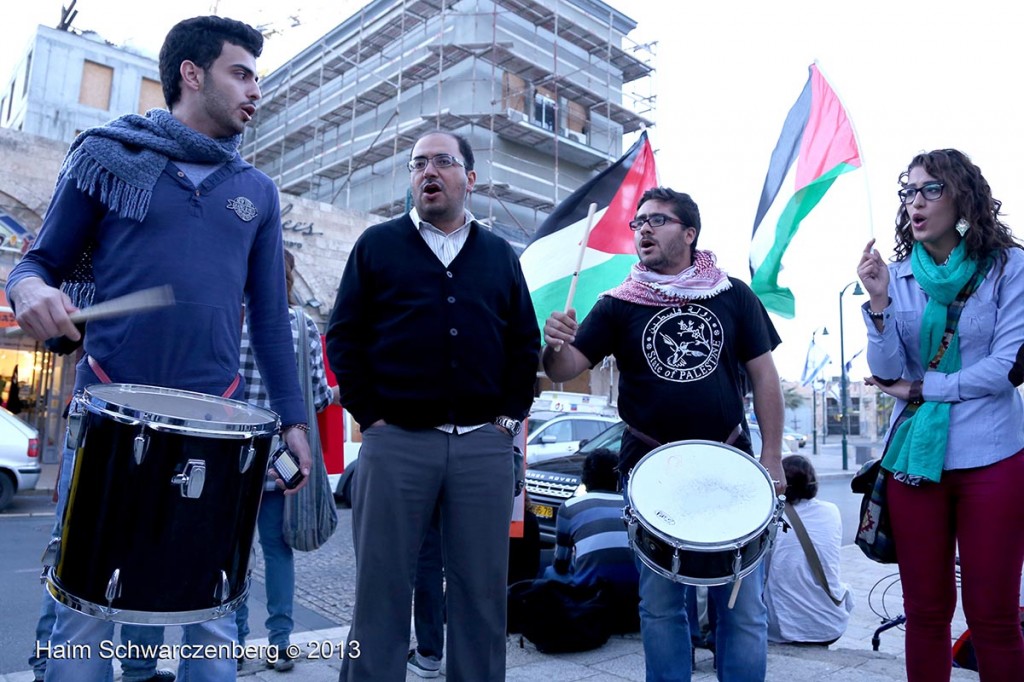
(874, 275)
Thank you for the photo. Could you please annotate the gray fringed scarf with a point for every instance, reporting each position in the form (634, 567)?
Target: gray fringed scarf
(120, 162)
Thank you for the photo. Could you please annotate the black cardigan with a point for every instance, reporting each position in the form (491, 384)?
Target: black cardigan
(418, 344)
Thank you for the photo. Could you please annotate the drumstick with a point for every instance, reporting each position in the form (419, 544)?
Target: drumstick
(137, 302)
(579, 263)
(735, 592)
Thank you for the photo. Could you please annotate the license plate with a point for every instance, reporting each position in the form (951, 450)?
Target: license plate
(542, 511)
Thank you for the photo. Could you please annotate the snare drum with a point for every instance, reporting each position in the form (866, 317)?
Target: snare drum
(162, 509)
(701, 512)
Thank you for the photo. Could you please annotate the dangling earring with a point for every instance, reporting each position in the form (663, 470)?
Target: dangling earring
(962, 226)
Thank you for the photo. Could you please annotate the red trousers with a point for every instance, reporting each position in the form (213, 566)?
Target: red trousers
(981, 511)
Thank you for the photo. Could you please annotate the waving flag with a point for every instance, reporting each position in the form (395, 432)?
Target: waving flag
(550, 258)
(849, 363)
(817, 135)
(816, 361)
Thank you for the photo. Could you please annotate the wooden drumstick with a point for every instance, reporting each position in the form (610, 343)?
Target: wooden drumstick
(735, 592)
(579, 263)
(137, 302)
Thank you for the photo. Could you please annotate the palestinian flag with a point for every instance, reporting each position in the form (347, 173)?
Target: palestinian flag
(817, 135)
(550, 258)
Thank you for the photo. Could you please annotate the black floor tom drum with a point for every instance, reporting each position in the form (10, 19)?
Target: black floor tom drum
(162, 509)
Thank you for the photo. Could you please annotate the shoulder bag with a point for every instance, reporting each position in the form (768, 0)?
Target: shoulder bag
(310, 515)
(811, 553)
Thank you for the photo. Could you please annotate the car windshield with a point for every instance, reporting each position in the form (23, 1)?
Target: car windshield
(609, 438)
(534, 424)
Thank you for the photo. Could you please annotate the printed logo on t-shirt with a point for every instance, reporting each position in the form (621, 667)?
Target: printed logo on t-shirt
(683, 344)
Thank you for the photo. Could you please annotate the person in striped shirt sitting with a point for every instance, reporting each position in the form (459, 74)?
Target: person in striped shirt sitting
(591, 542)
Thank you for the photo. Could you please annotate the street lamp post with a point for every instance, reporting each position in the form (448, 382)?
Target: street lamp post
(843, 389)
(814, 401)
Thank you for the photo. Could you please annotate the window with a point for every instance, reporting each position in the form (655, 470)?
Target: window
(560, 431)
(97, 81)
(544, 108)
(151, 95)
(28, 71)
(586, 429)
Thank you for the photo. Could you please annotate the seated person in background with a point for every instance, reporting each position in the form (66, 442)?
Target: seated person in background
(799, 610)
(591, 540)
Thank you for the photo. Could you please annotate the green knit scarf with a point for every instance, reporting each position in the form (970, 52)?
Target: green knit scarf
(918, 447)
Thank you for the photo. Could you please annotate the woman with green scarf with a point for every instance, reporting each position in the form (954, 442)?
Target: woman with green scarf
(957, 463)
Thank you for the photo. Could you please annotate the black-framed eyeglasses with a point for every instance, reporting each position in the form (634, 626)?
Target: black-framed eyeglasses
(418, 163)
(655, 220)
(929, 190)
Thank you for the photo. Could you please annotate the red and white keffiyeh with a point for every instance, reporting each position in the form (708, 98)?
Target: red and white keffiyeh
(702, 280)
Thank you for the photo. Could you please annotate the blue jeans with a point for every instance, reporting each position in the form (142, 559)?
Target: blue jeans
(135, 669)
(741, 636)
(279, 563)
(87, 632)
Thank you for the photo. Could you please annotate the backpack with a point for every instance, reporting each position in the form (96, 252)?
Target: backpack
(560, 617)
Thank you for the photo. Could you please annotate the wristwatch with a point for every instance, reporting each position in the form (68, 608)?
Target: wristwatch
(513, 426)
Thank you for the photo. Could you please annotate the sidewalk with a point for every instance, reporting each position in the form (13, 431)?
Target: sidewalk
(875, 589)
(851, 659)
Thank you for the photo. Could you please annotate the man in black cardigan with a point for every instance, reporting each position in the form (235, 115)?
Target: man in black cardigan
(435, 344)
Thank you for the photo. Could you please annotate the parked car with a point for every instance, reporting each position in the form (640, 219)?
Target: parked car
(800, 438)
(552, 482)
(552, 435)
(19, 457)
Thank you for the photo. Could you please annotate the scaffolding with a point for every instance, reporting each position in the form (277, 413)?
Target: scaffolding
(545, 92)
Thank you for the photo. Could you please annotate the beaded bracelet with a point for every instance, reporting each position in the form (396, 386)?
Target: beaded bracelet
(301, 427)
(875, 316)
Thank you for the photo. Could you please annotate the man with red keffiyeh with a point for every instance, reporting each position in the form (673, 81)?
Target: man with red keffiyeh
(687, 338)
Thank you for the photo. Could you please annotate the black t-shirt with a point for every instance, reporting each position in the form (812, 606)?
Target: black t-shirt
(681, 368)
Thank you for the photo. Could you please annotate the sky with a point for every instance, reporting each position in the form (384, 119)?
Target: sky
(913, 77)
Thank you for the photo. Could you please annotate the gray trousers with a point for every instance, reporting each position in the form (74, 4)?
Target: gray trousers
(403, 476)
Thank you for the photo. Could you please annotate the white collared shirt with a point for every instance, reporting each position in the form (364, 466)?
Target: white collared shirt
(446, 247)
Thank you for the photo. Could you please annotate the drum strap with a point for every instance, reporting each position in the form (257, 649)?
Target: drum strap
(647, 440)
(812, 554)
(104, 378)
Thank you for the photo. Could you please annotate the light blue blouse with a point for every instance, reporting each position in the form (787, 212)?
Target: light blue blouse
(986, 422)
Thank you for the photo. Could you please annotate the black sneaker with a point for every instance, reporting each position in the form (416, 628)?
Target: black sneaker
(420, 666)
(282, 663)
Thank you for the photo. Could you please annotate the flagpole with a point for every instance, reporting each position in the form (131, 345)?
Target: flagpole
(579, 262)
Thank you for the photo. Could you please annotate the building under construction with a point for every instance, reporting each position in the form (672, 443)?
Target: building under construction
(544, 91)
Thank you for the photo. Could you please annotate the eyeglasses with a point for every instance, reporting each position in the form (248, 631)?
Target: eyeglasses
(440, 161)
(930, 190)
(654, 220)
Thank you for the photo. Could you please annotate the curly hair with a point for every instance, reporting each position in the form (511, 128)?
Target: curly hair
(973, 199)
(200, 40)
